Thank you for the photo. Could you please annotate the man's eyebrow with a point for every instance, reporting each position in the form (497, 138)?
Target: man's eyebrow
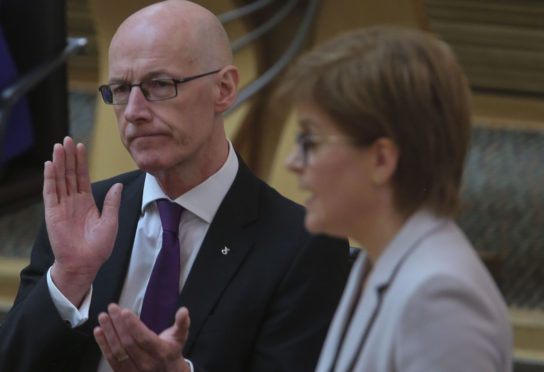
(147, 76)
(157, 74)
(117, 81)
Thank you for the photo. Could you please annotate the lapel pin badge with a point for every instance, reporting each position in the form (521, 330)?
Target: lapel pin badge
(225, 251)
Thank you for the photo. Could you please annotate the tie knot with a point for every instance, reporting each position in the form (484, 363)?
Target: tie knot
(170, 214)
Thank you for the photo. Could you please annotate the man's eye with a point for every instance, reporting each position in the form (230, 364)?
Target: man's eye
(120, 88)
(160, 83)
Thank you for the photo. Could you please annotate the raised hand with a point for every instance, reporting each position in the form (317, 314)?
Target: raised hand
(128, 345)
(81, 238)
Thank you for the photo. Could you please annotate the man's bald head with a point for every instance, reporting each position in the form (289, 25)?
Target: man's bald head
(183, 24)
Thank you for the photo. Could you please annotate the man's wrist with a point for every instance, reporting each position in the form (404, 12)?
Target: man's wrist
(73, 287)
(67, 311)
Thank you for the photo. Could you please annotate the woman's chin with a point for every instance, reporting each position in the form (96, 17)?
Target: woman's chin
(316, 225)
(313, 225)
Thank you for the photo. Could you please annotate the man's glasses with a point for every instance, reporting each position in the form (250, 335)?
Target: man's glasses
(153, 89)
(309, 141)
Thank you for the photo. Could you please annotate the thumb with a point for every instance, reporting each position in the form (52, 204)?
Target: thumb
(182, 322)
(110, 209)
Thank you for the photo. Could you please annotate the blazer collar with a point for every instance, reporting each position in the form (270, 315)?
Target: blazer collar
(416, 228)
(419, 225)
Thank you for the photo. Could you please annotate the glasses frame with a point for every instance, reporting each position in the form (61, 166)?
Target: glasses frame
(306, 142)
(105, 89)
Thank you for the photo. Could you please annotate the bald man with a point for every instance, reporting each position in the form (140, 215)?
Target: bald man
(259, 289)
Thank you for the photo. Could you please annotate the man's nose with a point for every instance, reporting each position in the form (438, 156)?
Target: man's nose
(137, 105)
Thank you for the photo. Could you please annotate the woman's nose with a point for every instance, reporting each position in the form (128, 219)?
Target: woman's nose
(294, 161)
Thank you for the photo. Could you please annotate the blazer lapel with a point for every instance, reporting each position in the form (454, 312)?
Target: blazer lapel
(342, 317)
(418, 226)
(228, 241)
(361, 322)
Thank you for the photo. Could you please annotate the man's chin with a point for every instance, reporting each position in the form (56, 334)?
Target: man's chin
(150, 166)
(149, 161)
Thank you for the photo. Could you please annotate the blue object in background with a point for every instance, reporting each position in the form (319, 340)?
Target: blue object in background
(18, 134)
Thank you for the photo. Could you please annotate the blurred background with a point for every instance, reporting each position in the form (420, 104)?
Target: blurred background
(48, 89)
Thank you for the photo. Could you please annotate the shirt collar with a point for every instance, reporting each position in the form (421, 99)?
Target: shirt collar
(202, 200)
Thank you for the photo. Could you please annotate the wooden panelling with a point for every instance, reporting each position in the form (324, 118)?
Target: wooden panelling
(9, 280)
(528, 327)
(499, 43)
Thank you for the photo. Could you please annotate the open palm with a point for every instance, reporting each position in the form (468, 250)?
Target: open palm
(81, 238)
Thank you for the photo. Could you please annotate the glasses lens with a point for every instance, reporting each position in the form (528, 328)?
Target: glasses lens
(153, 90)
(158, 89)
(120, 93)
(106, 93)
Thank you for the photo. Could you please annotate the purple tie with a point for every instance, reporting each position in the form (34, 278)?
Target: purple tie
(162, 290)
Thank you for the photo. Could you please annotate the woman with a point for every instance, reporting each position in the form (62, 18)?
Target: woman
(384, 130)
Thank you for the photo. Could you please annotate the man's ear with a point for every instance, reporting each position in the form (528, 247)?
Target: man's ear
(228, 88)
(385, 160)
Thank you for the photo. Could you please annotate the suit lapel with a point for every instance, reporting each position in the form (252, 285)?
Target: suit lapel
(420, 225)
(110, 279)
(228, 241)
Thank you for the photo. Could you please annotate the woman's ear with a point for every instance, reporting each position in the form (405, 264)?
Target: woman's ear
(228, 88)
(385, 159)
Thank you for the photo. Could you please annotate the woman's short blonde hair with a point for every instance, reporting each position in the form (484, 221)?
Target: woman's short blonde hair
(402, 84)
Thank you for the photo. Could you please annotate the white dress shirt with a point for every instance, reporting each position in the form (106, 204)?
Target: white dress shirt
(200, 204)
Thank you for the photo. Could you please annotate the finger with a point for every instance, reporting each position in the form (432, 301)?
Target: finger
(111, 335)
(110, 209)
(116, 364)
(141, 356)
(146, 341)
(50, 198)
(60, 170)
(82, 169)
(102, 342)
(164, 351)
(70, 165)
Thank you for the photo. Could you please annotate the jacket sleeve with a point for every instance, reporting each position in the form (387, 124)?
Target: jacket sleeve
(298, 318)
(33, 337)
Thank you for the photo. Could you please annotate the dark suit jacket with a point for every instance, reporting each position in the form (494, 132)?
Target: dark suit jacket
(265, 306)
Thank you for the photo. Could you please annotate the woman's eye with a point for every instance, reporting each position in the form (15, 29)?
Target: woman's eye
(310, 143)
